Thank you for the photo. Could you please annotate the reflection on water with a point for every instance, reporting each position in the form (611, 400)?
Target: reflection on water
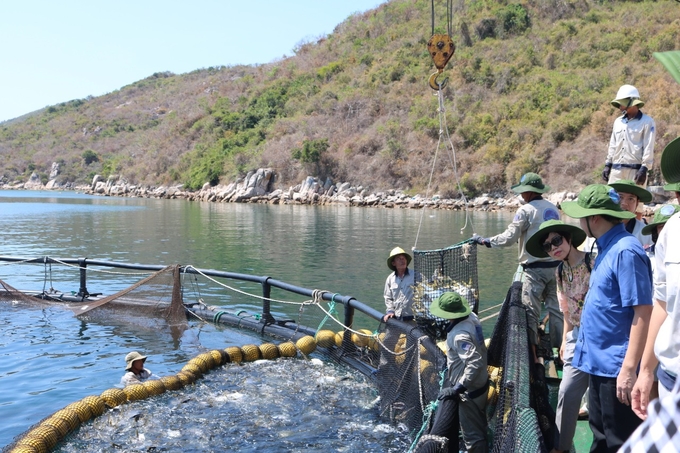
(252, 407)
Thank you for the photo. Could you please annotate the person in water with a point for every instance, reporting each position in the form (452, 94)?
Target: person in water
(615, 316)
(467, 379)
(135, 373)
(560, 241)
(539, 273)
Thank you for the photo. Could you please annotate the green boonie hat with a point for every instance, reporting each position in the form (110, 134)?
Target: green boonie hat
(596, 199)
(675, 187)
(629, 186)
(670, 162)
(661, 216)
(535, 243)
(450, 305)
(530, 182)
(397, 251)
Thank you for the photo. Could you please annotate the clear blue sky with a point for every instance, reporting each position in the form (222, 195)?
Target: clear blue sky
(56, 51)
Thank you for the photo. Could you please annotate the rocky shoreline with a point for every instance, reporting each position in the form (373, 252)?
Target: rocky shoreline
(258, 187)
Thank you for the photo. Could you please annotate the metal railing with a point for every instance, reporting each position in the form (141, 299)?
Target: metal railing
(350, 304)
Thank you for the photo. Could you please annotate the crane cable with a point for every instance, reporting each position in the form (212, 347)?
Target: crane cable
(438, 46)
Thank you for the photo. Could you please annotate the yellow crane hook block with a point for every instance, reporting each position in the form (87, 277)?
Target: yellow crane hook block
(441, 50)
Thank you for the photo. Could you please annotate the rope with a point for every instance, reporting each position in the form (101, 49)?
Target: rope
(331, 309)
(449, 16)
(445, 135)
(431, 407)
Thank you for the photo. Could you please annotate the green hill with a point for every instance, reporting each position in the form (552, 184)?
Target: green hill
(529, 90)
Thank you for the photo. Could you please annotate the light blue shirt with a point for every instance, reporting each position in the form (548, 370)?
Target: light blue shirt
(620, 280)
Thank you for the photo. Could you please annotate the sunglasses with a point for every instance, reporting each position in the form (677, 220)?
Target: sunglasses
(554, 242)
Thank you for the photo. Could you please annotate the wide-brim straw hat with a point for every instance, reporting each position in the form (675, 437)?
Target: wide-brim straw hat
(596, 199)
(131, 357)
(670, 162)
(397, 251)
(534, 245)
(629, 186)
(450, 305)
(661, 216)
(530, 182)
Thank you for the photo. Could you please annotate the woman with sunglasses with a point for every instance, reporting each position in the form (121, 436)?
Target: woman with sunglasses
(559, 241)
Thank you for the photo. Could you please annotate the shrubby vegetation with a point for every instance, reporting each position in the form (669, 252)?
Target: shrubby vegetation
(529, 90)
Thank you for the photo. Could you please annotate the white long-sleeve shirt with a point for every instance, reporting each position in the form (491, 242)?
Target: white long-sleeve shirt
(632, 141)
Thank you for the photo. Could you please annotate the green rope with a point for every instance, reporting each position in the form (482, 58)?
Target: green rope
(218, 315)
(429, 410)
(331, 311)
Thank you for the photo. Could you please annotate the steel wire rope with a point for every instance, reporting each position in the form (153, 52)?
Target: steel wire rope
(453, 161)
(449, 15)
(444, 134)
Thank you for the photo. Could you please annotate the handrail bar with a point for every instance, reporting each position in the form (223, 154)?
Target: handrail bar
(347, 301)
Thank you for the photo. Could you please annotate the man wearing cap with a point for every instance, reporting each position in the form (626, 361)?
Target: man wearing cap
(631, 195)
(539, 273)
(467, 379)
(663, 339)
(631, 146)
(615, 316)
(135, 371)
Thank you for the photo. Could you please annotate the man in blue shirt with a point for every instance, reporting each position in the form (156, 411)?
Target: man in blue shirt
(615, 315)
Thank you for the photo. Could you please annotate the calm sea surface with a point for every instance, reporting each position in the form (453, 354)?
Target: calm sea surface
(49, 358)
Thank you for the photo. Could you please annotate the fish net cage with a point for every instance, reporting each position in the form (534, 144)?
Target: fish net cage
(403, 358)
(438, 271)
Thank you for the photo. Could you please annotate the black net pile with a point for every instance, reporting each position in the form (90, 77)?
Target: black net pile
(438, 271)
(522, 421)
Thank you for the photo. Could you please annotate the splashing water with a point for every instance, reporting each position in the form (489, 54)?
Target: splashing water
(312, 407)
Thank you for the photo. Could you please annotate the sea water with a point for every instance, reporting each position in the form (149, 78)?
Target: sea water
(49, 358)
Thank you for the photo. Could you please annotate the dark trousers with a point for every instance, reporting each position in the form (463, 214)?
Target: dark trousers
(611, 421)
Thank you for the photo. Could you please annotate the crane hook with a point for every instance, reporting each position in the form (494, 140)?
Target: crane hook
(441, 49)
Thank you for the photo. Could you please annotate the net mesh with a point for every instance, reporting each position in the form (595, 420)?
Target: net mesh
(157, 296)
(521, 418)
(438, 271)
(11, 295)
